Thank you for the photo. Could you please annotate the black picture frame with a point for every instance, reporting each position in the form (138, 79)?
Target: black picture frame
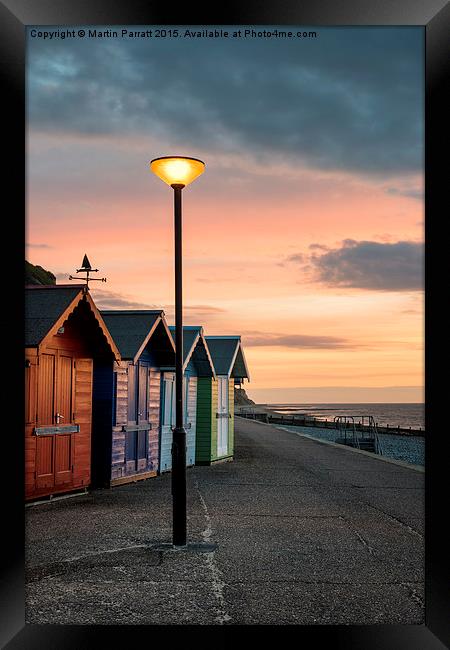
(15, 16)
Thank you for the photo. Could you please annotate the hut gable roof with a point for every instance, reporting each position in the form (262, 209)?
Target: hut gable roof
(196, 348)
(47, 307)
(228, 356)
(44, 305)
(132, 329)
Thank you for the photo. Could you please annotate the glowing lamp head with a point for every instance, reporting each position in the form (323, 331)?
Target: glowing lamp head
(177, 170)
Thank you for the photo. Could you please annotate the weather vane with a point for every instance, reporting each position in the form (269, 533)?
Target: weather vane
(86, 268)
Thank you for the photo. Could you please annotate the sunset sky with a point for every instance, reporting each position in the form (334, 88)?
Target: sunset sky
(305, 233)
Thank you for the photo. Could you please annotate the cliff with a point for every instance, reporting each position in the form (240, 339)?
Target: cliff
(38, 275)
(241, 398)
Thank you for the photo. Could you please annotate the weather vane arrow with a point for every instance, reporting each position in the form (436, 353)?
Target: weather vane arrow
(86, 268)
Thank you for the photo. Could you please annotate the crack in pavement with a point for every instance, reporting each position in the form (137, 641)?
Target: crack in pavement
(364, 542)
(398, 521)
(217, 582)
(60, 567)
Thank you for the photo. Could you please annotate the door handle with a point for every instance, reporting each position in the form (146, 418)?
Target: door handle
(59, 417)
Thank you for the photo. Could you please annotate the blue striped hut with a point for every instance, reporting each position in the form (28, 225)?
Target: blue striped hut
(127, 397)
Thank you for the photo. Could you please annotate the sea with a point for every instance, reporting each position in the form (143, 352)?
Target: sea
(395, 415)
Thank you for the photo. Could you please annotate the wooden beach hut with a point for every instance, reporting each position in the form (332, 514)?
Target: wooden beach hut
(215, 404)
(197, 364)
(64, 336)
(127, 397)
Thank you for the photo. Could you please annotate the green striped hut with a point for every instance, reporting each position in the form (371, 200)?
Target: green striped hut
(197, 365)
(215, 400)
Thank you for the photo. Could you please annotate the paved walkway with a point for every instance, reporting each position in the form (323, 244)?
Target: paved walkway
(307, 533)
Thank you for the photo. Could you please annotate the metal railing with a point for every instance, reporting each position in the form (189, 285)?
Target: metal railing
(303, 420)
(363, 433)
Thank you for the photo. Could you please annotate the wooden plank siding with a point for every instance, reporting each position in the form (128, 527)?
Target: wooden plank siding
(231, 420)
(167, 420)
(83, 417)
(204, 419)
(121, 413)
(124, 415)
(31, 373)
(214, 406)
(120, 420)
(154, 418)
(192, 420)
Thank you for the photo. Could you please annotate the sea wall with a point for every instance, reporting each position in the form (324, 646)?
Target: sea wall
(302, 421)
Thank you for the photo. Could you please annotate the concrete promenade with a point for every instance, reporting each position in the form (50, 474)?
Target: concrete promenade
(306, 533)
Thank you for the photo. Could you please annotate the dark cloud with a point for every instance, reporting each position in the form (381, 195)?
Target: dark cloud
(371, 265)
(297, 257)
(410, 193)
(350, 99)
(201, 309)
(110, 300)
(304, 341)
(194, 314)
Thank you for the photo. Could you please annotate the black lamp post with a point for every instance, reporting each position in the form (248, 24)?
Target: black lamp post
(178, 171)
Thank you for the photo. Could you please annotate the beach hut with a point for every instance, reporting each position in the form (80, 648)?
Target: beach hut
(215, 404)
(127, 397)
(197, 364)
(64, 336)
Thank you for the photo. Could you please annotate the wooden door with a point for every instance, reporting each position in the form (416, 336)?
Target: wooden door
(167, 421)
(64, 415)
(45, 447)
(142, 416)
(54, 452)
(136, 445)
(131, 433)
(222, 416)
(190, 397)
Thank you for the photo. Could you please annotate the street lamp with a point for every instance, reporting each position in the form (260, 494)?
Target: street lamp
(178, 171)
